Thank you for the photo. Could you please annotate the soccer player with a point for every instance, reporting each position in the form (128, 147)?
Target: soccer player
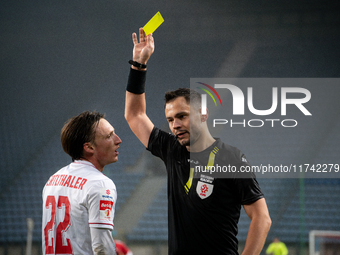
(203, 211)
(79, 200)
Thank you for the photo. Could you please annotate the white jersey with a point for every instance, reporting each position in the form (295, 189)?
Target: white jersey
(76, 198)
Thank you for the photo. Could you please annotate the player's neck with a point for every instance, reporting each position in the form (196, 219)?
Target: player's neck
(94, 162)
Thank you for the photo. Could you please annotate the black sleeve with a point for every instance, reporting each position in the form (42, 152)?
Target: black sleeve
(160, 143)
(249, 190)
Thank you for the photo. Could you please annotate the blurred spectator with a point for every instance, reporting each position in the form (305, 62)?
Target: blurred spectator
(277, 248)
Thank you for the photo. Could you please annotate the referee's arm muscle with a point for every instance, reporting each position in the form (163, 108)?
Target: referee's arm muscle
(135, 115)
(259, 226)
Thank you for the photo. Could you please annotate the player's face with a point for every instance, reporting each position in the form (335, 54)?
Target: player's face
(177, 113)
(106, 143)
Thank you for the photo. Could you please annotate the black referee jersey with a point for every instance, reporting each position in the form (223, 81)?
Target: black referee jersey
(203, 209)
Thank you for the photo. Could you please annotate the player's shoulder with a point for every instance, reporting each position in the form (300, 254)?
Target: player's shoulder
(100, 180)
(94, 177)
(103, 187)
(63, 171)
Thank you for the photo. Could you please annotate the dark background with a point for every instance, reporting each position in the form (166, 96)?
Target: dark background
(59, 58)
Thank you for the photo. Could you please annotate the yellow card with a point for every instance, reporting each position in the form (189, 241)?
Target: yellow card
(153, 23)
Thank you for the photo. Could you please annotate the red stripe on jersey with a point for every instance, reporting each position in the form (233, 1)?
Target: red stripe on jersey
(101, 224)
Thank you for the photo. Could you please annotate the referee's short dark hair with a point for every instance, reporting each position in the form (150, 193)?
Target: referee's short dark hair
(79, 130)
(190, 95)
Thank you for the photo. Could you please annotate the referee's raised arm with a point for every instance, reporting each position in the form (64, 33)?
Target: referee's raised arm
(135, 106)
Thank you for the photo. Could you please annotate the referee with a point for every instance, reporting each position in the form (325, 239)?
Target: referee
(203, 209)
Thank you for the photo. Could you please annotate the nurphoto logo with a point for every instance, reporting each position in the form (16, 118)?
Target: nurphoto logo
(204, 97)
(280, 99)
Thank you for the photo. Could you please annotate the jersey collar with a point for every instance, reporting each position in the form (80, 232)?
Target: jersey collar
(84, 162)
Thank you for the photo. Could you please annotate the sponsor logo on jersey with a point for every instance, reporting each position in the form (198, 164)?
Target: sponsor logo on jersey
(191, 161)
(206, 178)
(107, 213)
(107, 197)
(204, 190)
(104, 204)
(106, 194)
(105, 210)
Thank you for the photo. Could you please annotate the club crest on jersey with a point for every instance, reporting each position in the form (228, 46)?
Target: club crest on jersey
(204, 190)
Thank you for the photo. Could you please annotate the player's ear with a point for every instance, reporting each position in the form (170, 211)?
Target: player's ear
(88, 147)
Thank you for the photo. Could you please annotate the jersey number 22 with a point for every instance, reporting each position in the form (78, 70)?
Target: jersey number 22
(60, 246)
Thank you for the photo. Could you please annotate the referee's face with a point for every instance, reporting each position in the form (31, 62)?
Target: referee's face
(177, 113)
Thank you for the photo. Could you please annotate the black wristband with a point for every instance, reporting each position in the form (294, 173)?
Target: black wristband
(136, 64)
(136, 81)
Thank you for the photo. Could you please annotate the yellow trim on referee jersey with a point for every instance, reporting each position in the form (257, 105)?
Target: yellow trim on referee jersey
(211, 162)
(189, 182)
(212, 157)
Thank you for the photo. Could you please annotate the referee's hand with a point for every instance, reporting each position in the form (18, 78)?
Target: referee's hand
(143, 49)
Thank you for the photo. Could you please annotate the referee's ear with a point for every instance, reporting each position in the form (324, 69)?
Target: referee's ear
(204, 117)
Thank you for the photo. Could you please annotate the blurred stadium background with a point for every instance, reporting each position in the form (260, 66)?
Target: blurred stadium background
(59, 58)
